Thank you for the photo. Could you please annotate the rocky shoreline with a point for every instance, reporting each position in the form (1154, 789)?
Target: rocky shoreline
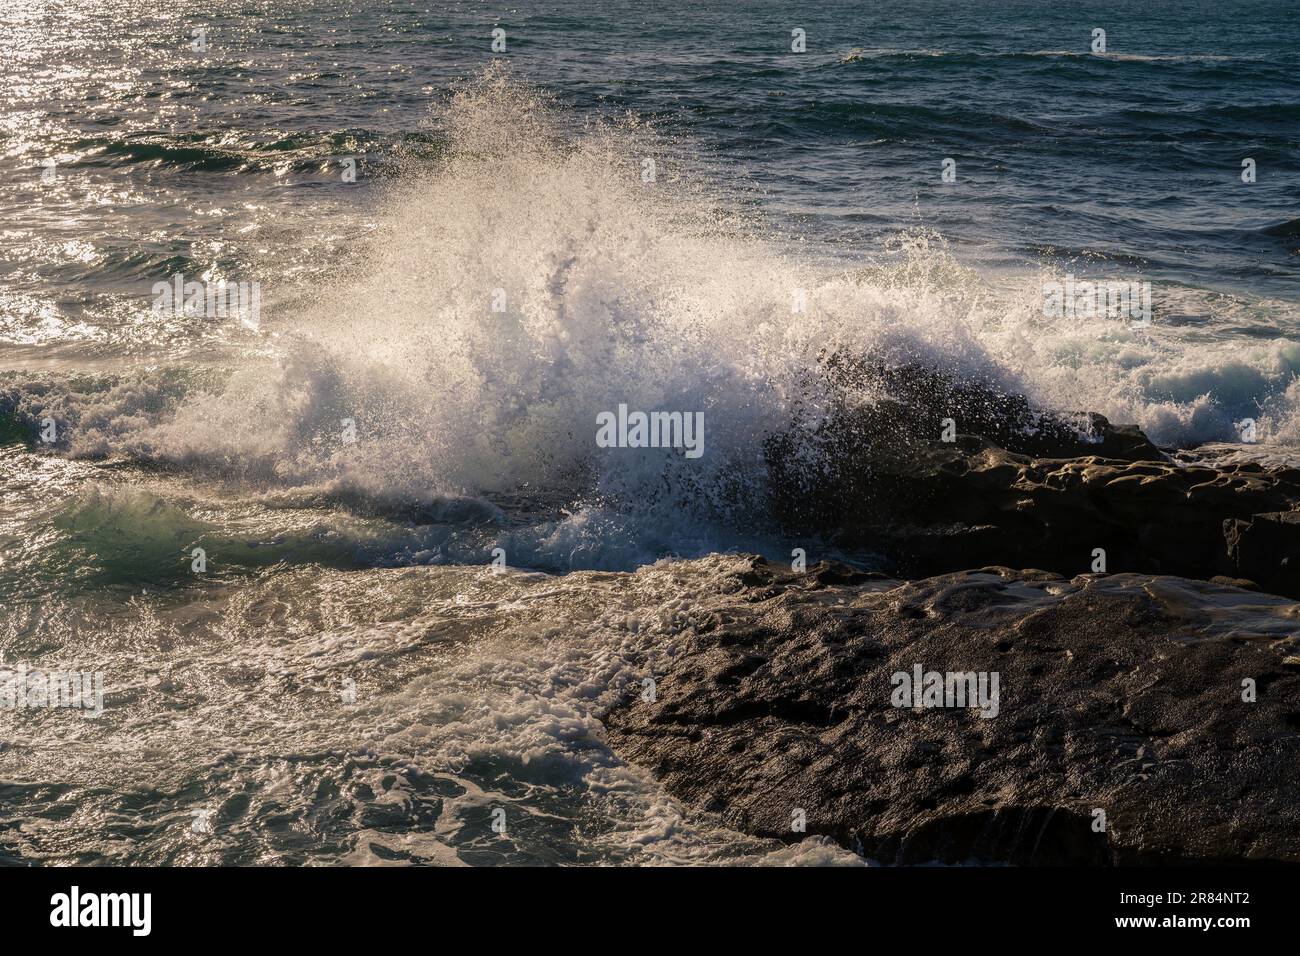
(1147, 715)
(1123, 694)
(1020, 488)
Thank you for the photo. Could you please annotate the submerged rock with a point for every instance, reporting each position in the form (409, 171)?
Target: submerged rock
(1167, 709)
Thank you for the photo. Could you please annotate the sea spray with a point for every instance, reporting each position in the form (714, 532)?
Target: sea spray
(527, 278)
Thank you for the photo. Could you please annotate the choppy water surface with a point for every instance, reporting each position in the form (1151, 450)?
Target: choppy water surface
(337, 567)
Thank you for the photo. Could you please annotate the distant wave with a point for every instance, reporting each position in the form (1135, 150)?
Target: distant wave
(1288, 232)
(857, 54)
(1285, 230)
(214, 153)
(894, 120)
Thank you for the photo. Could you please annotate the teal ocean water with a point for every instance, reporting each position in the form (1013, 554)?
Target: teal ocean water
(451, 259)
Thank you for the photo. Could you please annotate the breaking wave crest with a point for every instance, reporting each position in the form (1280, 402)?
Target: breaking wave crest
(534, 276)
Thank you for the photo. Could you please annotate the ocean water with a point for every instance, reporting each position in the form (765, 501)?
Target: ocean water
(350, 453)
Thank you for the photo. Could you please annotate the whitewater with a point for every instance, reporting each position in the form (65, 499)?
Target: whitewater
(617, 292)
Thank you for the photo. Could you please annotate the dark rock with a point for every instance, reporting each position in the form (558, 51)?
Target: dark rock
(1266, 548)
(1120, 693)
(991, 507)
(863, 455)
(1020, 487)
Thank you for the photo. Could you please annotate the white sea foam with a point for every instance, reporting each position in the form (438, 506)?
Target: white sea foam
(473, 691)
(616, 291)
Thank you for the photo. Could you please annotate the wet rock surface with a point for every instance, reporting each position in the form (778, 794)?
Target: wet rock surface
(974, 504)
(1161, 696)
(1121, 694)
(941, 475)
